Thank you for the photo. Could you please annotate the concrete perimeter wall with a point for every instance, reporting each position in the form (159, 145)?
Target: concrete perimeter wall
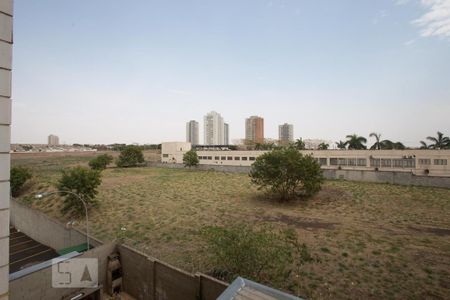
(401, 178)
(144, 277)
(219, 168)
(147, 278)
(38, 285)
(46, 231)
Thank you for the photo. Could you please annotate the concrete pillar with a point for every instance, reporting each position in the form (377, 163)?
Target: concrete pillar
(6, 26)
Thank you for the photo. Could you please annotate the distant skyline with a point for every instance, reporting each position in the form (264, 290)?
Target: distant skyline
(108, 71)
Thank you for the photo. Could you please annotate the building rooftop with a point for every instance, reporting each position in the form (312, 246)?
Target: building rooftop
(244, 289)
(25, 252)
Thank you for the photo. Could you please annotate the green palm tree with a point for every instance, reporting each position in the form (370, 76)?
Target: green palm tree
(377, 145)
(341, 145)
(441, 142)
(356, 142)
(299, 144)
(423, 145)
(323, 146)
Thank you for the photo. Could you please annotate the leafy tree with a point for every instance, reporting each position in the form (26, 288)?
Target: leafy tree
(424, 145)
(130, 156)
(81, 181)
(356, 142)
(265, 146)
(389, 145)
(341, 145)
(323, 146)
(285, 172)
(101, 162)
(19, 176)
(439, 142)
(377, 144)
(190, 159)
(260, 254)
(299, 144)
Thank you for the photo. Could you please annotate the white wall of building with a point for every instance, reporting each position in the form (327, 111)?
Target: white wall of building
(6, 23)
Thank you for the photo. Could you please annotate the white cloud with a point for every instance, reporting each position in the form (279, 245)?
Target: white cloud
(436, 22)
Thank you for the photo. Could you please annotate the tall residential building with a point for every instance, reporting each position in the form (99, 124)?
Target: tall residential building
(254, 129)
(214, 129)
(192, 132)
(6, 39)
(286, 133)
(53, 140)
(226, 134)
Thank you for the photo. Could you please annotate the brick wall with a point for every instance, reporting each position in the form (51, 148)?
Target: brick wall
(6, 23)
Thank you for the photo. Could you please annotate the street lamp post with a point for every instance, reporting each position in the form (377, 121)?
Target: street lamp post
(42, 195)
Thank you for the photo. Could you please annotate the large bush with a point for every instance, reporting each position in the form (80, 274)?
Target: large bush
(190, 158)
(100, 162)
(130, 156)
(287, 173)
(83, 182)
(260, 254)
(19, 177)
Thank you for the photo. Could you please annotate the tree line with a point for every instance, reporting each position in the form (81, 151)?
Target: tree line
(357, 142)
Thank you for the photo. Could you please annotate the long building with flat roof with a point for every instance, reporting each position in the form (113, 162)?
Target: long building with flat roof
(415, 161)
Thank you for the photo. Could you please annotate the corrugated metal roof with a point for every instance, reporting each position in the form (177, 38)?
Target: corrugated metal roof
(244, 289)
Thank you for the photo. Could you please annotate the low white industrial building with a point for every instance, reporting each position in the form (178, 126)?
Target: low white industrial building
(418, 162)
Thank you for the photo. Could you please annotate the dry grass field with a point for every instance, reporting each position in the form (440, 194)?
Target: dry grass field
(373, 240)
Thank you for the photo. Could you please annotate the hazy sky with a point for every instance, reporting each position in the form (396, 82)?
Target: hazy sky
(103, 71)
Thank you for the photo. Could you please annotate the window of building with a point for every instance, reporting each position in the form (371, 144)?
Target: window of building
(165, 155)
(440, 162)
(362, 162)
(244, 158)
(229, 157)
(409, 163)
(424, 161)
(252, 158)
(209, 157)
(323, 161)
(237, 158)
(223, 158)
(386, 163)
(342, 161)
(216, 157)
(333, 161)
(375, 162)
(351, 161)
(398, 163)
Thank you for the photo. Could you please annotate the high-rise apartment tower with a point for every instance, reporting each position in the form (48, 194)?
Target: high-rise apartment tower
(214, 129)
(286, 133)
(254, 129)
(53, 140)
(192, 132)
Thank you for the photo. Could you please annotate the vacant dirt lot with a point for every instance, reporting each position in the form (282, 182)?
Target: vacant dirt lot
(373, 240)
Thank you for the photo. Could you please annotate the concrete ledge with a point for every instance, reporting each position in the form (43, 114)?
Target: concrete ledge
(45, 230)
